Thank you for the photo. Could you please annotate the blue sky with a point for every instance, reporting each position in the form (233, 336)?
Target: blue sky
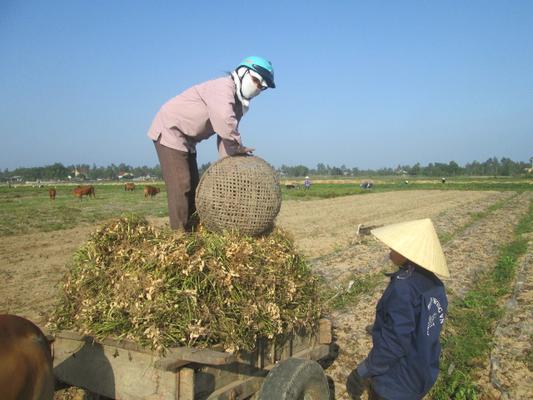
(365, 84)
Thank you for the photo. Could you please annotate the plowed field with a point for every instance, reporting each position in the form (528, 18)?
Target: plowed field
(472, 226)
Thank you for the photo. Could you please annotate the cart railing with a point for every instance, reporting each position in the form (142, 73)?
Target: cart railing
(124, 370)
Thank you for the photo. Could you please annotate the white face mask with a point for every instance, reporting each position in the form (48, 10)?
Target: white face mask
(249, 88)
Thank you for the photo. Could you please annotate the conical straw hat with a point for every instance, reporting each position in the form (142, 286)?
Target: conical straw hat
(417, 241)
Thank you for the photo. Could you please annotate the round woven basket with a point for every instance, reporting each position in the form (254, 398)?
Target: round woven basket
(239, 193)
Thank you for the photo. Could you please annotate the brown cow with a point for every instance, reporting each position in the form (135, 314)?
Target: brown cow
(52, 193)
(129, 187)
(26, 371)
(81, 191)
(150, 191)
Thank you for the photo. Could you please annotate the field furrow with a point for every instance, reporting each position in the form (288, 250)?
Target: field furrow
(472, 226)
(323, 226)
(508, 373)
(475, 249)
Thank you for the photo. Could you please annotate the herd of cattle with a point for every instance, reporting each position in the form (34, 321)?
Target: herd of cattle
(88, 190)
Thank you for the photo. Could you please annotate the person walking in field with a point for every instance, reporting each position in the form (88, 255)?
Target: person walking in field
(403, 363)
(205, 109)
(307, 183)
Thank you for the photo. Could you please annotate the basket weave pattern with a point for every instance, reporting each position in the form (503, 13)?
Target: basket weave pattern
(239, 193)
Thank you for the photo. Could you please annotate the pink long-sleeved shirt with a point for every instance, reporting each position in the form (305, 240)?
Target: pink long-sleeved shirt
(198, 113)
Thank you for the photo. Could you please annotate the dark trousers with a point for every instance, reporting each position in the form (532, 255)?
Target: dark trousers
(180, 172)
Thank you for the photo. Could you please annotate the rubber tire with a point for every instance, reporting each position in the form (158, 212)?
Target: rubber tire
(295, 379)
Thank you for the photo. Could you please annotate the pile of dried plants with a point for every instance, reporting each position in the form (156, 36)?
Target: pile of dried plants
(132, 280)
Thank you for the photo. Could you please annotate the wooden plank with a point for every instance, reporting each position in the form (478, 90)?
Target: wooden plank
(324, 331)
(314, 353)
(186, 384)
(118, 343)
(210, 379)
(200, 356)
(173, 358)
(170, 364)
(112, 372)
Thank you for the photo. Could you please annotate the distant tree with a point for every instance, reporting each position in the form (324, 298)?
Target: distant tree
(453, 169)
(321, 169)
(203, 168)
(492, 167)
(474, 168)
(335, 171)
(415, 169)
(300, 170)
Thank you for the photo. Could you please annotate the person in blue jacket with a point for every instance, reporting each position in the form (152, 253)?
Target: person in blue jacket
(404, 361)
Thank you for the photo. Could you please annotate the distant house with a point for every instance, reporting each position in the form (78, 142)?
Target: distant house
(125, 175)
(145, 178)
(79, 175)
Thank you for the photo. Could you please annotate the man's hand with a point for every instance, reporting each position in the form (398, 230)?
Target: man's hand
(244, 150)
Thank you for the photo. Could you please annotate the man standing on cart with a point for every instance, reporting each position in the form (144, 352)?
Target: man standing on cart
(205, 109)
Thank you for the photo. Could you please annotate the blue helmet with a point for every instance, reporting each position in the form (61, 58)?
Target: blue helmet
(262, 67)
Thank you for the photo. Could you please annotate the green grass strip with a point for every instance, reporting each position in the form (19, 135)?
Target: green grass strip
(349, 295)
(471, 322)
(445, 237)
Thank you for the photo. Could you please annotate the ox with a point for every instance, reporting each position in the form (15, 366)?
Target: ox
(52, 193)
(129, 187)
(150, 191)
(81, 191)
(26, 371)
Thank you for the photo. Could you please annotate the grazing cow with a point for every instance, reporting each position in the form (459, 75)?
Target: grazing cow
(81, 191)
(129, 187)
(26, 371)
(52, 193)
(150, 191)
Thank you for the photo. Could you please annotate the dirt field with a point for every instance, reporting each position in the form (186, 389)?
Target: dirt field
(469, 251)
(473, 225)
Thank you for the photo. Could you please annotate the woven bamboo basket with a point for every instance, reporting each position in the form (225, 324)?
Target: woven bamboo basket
(239, 193)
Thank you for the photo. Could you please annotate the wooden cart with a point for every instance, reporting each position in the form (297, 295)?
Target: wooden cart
(126, 371)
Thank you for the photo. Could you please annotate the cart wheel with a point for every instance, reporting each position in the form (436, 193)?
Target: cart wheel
(295, 379)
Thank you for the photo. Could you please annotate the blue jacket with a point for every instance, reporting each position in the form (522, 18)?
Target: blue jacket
(404, 360)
